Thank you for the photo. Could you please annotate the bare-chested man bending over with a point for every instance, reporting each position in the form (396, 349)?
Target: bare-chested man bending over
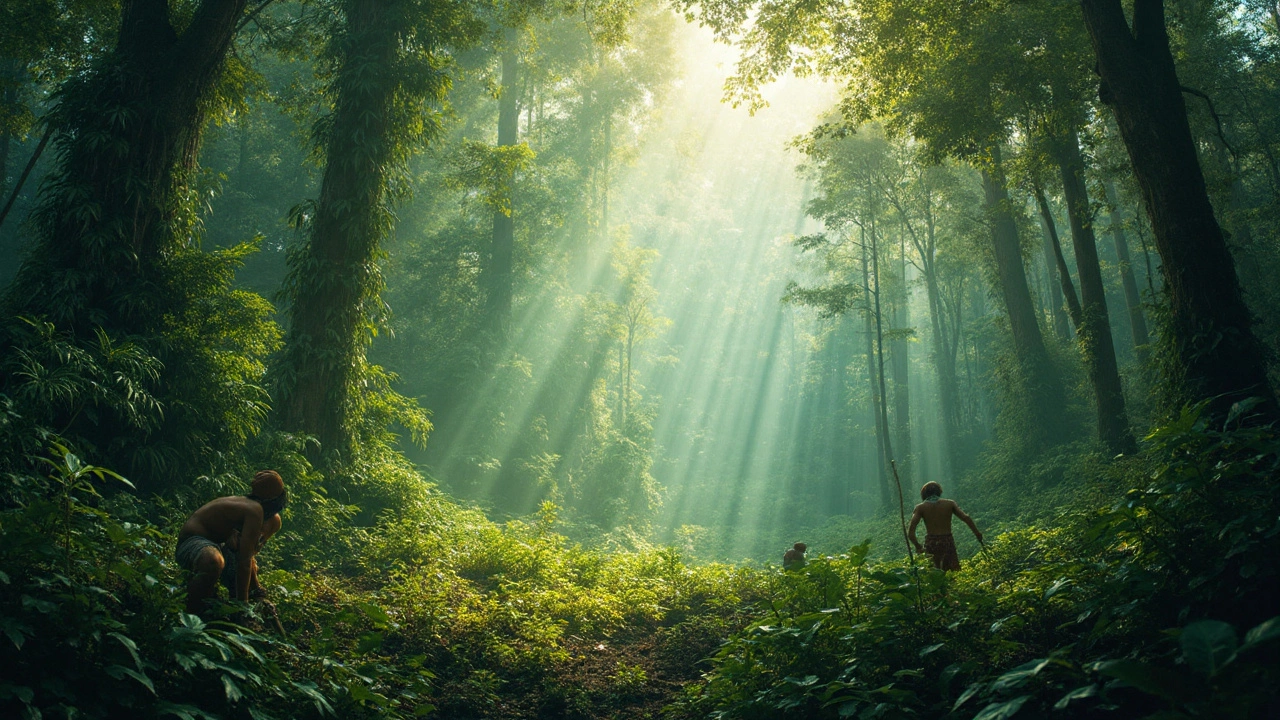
(237, 518)
(938, 541)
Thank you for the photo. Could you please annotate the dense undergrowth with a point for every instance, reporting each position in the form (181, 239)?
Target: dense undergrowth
(1157, 601)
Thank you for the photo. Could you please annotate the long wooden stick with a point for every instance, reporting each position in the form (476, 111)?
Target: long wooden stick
(22, 179)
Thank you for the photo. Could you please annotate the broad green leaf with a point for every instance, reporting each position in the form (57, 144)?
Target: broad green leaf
(1207, 645)
(1002, 711)
(231, 689)
(1079, 693)
(1019, 675)
(1269, 630)
(1162, 682)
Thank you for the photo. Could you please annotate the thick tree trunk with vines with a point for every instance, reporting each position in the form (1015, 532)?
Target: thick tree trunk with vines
(128, 134)
(334, 279)
(1210, 331)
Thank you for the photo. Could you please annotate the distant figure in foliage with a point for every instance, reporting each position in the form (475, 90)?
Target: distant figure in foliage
(239, 524)
(793, 559)
(938, 541)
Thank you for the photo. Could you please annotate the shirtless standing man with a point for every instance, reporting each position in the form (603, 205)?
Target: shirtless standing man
(938, 541)
(243, 520)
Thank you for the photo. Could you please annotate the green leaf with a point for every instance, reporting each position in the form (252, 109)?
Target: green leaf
(968, 693)
(1207, 645)
(73, 462)
(930, 649)
(1269, 630)
(129, 645)
(183, 712)
(1002, 711)
(858, 553)
(119, 671)
(1079, 693)
(369, 642)
(232, 690)
(424, 710)
(376, 614)
(1162, 682)
(16, 631)
(1019, 675)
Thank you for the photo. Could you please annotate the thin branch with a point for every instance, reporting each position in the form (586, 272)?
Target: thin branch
(1216, 120)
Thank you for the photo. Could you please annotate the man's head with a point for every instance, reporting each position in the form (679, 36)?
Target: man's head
(268, 489)
(800, 547)
(930, 489)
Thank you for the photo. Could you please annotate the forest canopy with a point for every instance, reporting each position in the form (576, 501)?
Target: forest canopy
(459, 359)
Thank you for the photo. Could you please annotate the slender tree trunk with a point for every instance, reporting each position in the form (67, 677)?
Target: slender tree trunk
(900, 320)
(501, 253)
(944, 366)
(10, 101)
(335, 277)
(604, 180)
(1050, 230)
(1060, 262)
(1132, 299)
(115, 211)
(1209, 325)
(1094, 330)
(1042, 384)
(626, 391)
(877, 399)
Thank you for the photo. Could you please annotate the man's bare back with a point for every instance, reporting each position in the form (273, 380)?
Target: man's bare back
(937, 512)
(237, 521)
(219, 519)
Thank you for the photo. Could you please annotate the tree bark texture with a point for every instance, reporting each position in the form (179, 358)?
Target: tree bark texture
(504, 227)
(335, 278)
(1093, 332)
(1042, 384)
(1132, 298)
(127, 135)
(1215, 353)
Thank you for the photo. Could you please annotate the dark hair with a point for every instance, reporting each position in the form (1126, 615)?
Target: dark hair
(930, 488)
(272, 506)
(800, 546)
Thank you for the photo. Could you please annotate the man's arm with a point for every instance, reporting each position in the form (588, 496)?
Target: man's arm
(911, 529)
(967, 521)
(250, 537)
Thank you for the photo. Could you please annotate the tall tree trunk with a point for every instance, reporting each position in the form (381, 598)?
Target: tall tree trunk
(335, 278)
(1042, 384)
(944, 366)
(1210, 326)
(900, 320)
(114, 212)
(1132, 299)
(8, 68)
(877, 399)
(504, 227)
(1064, 273)
(1050, 231)
(1094, 330)
(604, 179)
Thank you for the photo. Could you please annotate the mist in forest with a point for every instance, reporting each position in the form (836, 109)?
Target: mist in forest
(607, 359)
